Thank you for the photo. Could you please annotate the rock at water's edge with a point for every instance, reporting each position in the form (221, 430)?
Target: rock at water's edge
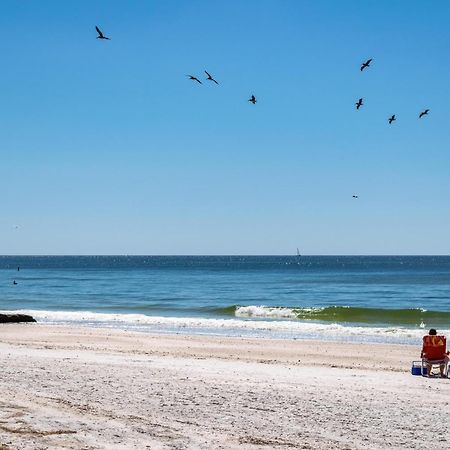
(15, 318)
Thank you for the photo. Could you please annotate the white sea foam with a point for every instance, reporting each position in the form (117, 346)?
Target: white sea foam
(233, 327)
(265, 311)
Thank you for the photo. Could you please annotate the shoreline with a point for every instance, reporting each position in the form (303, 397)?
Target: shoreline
(81, 387)
(251, 327)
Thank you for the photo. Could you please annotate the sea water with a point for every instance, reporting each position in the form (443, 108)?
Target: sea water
(357, 298)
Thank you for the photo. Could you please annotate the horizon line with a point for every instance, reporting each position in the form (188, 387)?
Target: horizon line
(223, 255)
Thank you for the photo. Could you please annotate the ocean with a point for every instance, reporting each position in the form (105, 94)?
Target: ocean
(353, 298)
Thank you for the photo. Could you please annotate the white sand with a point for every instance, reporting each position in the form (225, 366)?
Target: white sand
(84, 388)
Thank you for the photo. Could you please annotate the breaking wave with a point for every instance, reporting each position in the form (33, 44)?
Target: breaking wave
(348, 314)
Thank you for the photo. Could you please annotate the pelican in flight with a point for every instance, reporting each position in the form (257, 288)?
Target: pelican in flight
(191, 77)
(252, 99)
(101, 35)
(210, 78)
(366, 64)
(423, 113)
(359, 103)
(392, 119)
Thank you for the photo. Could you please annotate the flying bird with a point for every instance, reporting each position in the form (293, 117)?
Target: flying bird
(210, 78)
(101, 35)
(354, 196)
(366, 64)
(391, 119)
(191, 77)
(252, 99)
(359, 103)
(423, 113)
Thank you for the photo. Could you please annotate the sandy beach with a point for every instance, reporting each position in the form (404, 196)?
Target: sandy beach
(84, 388)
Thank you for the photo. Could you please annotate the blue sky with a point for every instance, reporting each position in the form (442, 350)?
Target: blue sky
(107, 148)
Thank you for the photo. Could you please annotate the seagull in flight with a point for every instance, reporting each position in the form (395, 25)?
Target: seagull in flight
(391, 119)
(191, 77)
(359, 103)
(210, 78)
(366, 64)
(101, 35)
(423, 113)
(252, 99)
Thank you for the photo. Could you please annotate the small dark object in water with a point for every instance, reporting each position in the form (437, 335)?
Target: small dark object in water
(16, 318)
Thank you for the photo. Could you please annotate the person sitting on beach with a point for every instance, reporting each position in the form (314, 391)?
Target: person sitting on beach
(436, 342)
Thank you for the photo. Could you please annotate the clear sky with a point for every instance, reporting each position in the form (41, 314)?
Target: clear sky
(107, 148)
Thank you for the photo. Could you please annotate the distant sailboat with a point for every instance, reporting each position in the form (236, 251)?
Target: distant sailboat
(298, 252)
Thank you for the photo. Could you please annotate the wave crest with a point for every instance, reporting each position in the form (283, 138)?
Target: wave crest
(265, 311)
(350, 314)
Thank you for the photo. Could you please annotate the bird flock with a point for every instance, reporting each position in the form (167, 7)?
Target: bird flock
(252, 98)
(365, 65)
(360, 103)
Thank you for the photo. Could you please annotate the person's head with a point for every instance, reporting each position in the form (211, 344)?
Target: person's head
(432, 332)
